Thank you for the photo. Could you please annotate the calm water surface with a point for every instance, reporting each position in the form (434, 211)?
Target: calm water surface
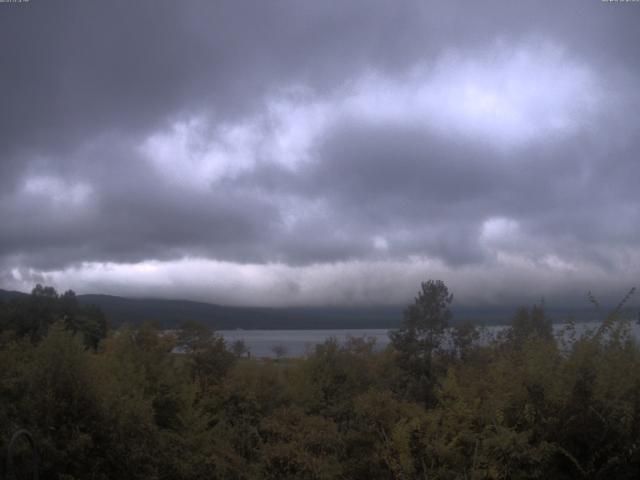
(296, 343)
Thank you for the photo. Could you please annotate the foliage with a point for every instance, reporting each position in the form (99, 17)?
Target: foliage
(529, 322)
(32, 316)
(420, 337)
(147, 404)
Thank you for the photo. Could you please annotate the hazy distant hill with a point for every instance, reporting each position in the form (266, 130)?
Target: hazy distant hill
(171, 313)
(6, 295)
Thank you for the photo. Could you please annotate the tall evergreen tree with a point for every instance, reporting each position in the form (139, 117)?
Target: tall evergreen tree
(421, 334)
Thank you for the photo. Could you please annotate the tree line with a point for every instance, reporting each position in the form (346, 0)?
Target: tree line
(437, 403)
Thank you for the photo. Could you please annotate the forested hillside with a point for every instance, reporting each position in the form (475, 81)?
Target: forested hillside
(164, 313)
(120, 404)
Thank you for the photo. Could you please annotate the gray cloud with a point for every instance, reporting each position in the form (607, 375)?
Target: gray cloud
(317, 137)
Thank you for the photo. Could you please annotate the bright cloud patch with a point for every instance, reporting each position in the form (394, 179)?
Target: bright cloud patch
(498, 231)
(505, 96)
(184, 155)
(197, 152)
(57, 191)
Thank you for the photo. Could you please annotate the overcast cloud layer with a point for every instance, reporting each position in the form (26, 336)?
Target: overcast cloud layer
(289, 153)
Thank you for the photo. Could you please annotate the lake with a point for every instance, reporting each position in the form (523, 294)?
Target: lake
(297, 342)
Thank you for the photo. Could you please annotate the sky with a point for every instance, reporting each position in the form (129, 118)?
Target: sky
(321, 153)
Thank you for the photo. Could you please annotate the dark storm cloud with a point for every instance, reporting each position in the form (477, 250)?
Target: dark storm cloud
(372, 181)
(433, 195)
(128, 213)
(82, 68)
(305, 134)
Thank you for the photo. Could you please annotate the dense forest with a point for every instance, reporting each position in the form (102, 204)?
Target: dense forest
(127, 403)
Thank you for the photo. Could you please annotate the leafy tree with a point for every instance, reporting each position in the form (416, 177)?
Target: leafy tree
(333, 374)
(387, 434)
(529, 322)
(240, 348)
(207, 355)
(464, 337)
(31, 317)
(297, 446)
(279, 351)
(89, 321)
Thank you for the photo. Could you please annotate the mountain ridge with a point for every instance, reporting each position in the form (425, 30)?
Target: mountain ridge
(171, 313)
